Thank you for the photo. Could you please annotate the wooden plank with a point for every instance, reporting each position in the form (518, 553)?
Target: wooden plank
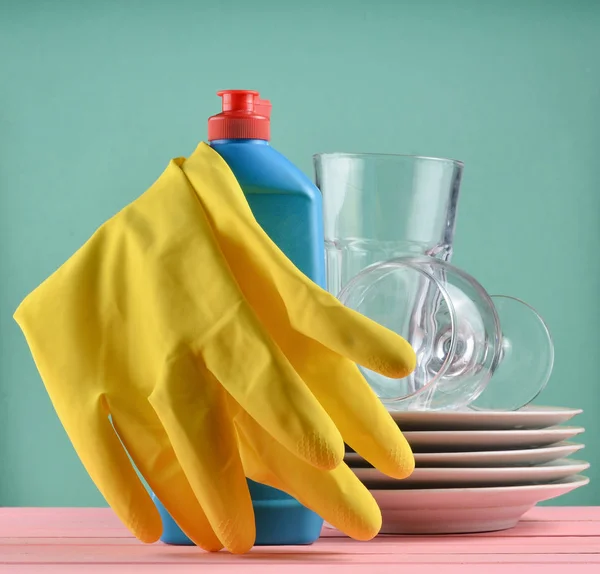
(544, 528)
(474, 542)
(48, 541)
(173, 556)
(102, 517)
(93, 521)
(563, 513)
(450, 545)
(60, 522)
(293, 569)
(47, 515)
(532, 528)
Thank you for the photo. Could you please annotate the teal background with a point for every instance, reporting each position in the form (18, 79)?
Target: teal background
(95, 97)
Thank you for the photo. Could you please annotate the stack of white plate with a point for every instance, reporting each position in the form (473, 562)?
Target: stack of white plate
(476, 471)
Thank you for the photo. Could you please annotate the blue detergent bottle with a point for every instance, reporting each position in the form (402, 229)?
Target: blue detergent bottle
(288, 207)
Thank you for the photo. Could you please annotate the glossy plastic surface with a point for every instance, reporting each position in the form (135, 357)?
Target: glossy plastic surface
(279, 520)
(243, 115)
(284, 201)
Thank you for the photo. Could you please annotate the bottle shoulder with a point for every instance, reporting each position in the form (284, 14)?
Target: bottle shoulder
(262, 166)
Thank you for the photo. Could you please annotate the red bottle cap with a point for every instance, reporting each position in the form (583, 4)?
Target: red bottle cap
(244, 116)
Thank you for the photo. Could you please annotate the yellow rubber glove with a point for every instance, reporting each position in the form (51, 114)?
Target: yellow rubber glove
(318, 336)
(210, 368)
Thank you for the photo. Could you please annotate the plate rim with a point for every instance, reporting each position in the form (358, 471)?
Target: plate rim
(528, 411)
(556, 429)
(573, 447)
(579, 467)
(566, 444)
(576, 481)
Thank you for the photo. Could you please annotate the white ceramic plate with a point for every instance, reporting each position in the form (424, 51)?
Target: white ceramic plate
(530, 417)
(463, 510)
(468, 477)
(480, 459)
(462, 441)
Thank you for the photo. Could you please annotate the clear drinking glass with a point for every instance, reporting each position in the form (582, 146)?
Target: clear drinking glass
(472, 349)
(389, 226)
(377, 207)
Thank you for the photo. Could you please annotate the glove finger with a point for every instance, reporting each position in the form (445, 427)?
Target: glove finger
(147, 443)
(254, 371)
(336, 495)
(84, 415)
(355, 409)
(192, 408)
(350, 334)
(109, 467)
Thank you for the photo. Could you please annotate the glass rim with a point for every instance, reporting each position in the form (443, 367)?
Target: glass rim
(373, 155)
(413, 263)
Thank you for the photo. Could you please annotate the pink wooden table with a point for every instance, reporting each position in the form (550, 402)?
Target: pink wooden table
(93, 541)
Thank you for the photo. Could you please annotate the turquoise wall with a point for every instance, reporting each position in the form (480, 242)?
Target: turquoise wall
(95, 97)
